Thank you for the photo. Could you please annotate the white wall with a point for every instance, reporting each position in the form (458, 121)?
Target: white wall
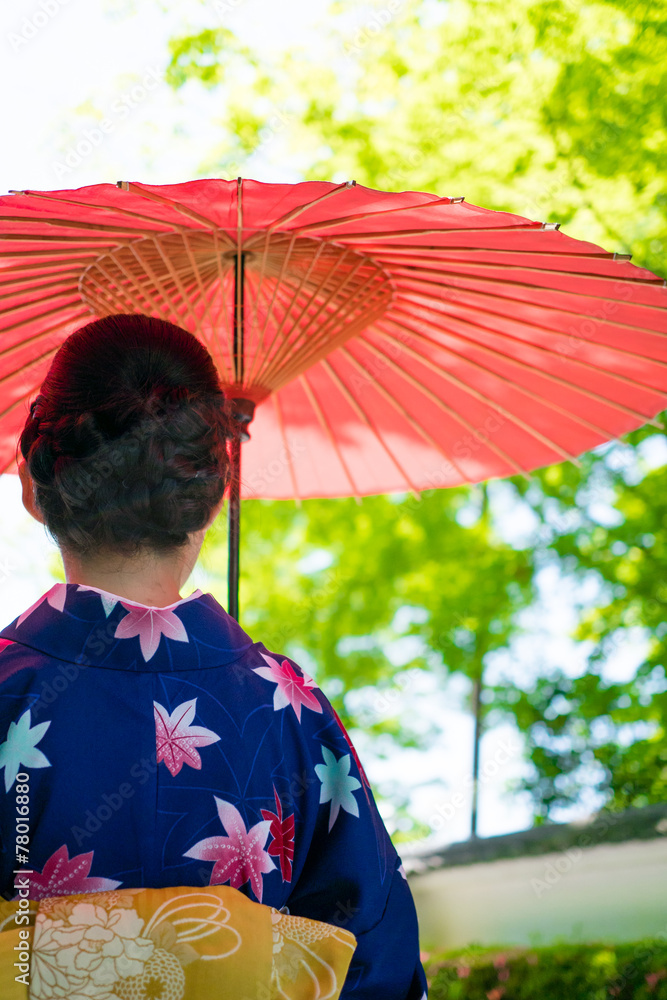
(612, 892)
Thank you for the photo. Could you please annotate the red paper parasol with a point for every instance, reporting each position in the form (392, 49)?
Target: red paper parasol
(390, 341)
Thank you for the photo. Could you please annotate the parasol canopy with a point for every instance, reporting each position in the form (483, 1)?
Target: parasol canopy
(390, 341)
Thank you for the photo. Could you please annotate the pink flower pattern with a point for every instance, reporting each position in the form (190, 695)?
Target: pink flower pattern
(173, 826)
(176, 739)
(150, 624)
(240, 857)
(55, 597)
(63, 875)
(292, 688)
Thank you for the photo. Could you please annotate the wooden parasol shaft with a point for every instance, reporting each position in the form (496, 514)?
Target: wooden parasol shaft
(234, 519)
(234, 507)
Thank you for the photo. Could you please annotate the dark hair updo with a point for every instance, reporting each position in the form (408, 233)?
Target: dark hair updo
(126, 442)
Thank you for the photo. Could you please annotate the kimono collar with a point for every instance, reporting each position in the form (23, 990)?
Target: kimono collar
(89, 626)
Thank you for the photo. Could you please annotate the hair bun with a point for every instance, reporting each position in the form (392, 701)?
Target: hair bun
(126, 441)
(163, 402)
(74, 434)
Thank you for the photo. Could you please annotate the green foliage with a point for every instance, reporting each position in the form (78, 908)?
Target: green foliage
(588, 731)
(205, 56)
(398, 576)
(552, 110)
(636, 971)
(215, 59)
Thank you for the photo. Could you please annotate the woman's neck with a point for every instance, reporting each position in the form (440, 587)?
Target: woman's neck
(153, 580)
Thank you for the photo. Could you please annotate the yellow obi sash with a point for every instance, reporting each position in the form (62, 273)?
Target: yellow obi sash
(167, 944)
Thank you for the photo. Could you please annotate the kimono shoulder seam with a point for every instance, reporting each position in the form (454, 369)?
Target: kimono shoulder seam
(34, 649)
(143, 669)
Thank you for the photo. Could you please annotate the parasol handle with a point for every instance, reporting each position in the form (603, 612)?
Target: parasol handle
(241, 412)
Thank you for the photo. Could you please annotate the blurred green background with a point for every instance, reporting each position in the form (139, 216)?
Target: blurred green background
(409, 611)
(551, 110)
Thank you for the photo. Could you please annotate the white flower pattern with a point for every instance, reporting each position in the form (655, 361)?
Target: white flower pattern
(20, 747)
(86, 952)
(337, 785)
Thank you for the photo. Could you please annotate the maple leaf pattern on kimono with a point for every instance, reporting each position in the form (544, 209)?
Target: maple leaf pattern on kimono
(282, 831)
(150, 624)
(176, 739)
(292, 688)
(20, 747)
(240, 857)
(62, 876)
(337, 785)
(55, 597)
(109, 601)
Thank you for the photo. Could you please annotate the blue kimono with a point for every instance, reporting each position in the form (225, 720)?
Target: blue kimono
(146, 746)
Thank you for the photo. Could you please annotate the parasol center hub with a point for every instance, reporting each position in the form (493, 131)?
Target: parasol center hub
(241, 412)
(233, 255)
(303, 297)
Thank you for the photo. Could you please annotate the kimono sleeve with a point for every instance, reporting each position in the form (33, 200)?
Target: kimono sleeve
(347, 870)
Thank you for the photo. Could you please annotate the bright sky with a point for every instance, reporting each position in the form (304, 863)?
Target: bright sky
(98, 59)
(65, 66)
